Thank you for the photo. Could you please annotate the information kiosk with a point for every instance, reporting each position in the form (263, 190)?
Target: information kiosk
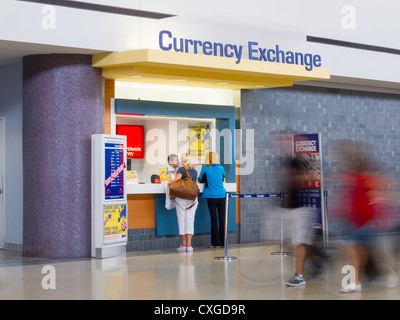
(109, 200)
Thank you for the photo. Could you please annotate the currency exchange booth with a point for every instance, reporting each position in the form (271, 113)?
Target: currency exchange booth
(160, 125)
(161, 128)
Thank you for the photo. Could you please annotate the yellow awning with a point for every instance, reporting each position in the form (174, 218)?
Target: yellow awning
(169, 67)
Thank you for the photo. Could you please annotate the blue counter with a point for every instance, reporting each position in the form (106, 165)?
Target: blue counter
(167, 223)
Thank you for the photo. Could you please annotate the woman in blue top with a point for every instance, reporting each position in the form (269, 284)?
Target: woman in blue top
(212, 175)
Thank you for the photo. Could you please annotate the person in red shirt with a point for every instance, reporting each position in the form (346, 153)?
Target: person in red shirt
(365, 190)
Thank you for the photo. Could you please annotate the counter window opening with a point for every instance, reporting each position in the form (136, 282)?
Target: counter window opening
(167, 130)
(173, 128)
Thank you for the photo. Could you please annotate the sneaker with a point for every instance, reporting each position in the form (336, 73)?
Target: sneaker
(296, 281)
(189, 249)
(181, 249)
(351, 288)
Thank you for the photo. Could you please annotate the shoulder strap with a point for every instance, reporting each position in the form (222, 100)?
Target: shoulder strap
(187, 173)
(194, 202)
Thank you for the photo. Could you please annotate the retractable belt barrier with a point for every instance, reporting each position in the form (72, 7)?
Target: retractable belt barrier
(282, 197)
(262, 195)
(245, 195)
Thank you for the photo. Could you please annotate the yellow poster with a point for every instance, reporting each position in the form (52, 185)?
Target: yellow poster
(115, 223)
(164, 174)
(132, 177)
(199, 141)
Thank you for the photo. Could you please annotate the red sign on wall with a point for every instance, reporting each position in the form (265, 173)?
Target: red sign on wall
(135, 140)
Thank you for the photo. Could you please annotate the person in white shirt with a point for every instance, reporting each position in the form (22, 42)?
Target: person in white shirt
(173, 165)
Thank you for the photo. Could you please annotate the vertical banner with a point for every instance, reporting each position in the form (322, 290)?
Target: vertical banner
(307, 149)
(199, 142)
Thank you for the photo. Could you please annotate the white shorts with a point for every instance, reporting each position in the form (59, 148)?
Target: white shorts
(303, 231)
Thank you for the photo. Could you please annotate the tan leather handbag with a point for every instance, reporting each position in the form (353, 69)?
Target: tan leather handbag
(184, 188)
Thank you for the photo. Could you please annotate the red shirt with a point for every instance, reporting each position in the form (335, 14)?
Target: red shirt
(361, 209)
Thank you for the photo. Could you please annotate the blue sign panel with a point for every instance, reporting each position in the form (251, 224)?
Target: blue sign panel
(307, 150)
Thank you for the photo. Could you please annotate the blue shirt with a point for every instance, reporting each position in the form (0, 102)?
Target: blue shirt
(215, 175)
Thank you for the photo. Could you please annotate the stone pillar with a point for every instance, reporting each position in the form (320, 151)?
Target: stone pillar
(63, 105)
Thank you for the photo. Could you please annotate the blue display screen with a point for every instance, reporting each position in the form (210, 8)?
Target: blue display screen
(114, 171)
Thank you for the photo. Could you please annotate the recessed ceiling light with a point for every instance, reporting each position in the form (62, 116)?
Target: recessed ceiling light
(180, 79)
(222, 82)
(259, 86)
(135, 76)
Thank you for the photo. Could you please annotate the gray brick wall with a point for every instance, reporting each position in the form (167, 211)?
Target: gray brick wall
(337, 114)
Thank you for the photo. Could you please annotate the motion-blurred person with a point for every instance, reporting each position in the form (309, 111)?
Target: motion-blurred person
(303, 218)
(358, 238)
(365, 239)
(383, 221)
(358, 210)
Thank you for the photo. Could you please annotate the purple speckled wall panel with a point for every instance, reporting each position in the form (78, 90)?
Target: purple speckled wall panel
(63, 106)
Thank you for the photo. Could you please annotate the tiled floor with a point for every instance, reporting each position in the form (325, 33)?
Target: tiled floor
(168, 275)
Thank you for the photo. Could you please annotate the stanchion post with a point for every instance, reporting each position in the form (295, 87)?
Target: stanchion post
(327, 248)
(281, 252)
(226, 257)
